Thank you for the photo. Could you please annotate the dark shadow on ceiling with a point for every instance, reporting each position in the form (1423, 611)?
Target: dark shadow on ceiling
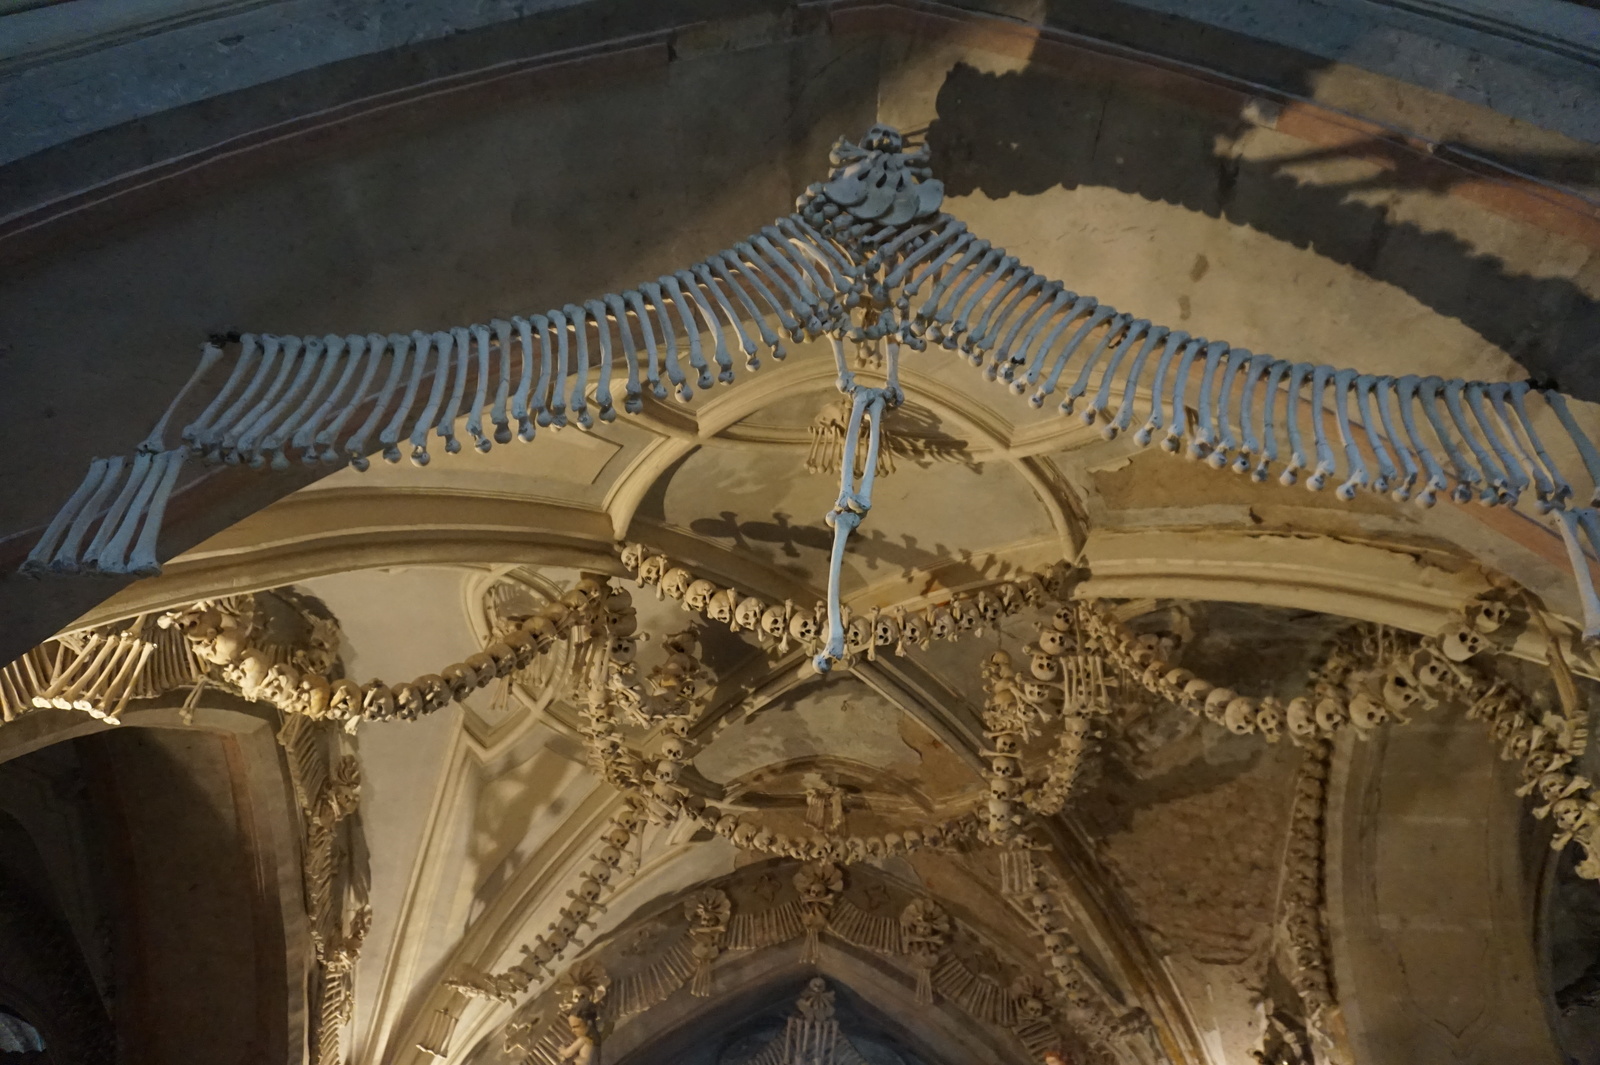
(1033, 130)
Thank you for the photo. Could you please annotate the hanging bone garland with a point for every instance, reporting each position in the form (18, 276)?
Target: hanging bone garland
(871, 237)
(1301, 929)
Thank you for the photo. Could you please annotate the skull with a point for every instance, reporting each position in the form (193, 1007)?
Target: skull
(542, 631)
(1461, 643)
(803, 627)
(1302, 718)
(697, 596)
(1332, 714)
(1366, 713)
(988, 608)
(933, 835)
(1044, 666)
(1488, 615)
(941, 626)
(589, 588)
(1217, 700)
(1197, 689)
(1053, 642)
(747, 615)
(775, 621)
(914, 630)
(460, 679)
(858, 634)
(886, 632)
(1269, 718)
(521, 645)
(1061, 619)
(1005, 787)
(1036, 692)
(377, 702)
(720, 608)
(652, 569)
(1428, 670)
(633, 556)
(1240, 715)
(1400, 689)
(676, 582)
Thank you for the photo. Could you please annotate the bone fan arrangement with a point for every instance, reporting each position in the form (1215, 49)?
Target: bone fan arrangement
(871, 262)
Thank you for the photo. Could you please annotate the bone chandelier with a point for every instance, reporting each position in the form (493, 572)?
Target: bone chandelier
(850, 263)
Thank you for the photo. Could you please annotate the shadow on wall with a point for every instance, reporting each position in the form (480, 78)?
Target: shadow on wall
(1035, 129)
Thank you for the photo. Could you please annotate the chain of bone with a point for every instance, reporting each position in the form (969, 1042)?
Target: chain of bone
(867, 633)
(98, 671)
(1301, 929)
(872, 236)
(337, 910)
(925, 932)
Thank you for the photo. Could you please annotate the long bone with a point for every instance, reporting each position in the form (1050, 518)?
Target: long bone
(1567, 525)
(1405, 389)
(780, 245)
(966, 245)
(697, 359)
(39, 557)
(1299, 458)
(142, 561)
(1130, 389)
(791, 278)
(119, 507)
(1499, 394)
(369, 351)
(65, 560)
(327, 358)
(91, 685)
(602, 397)
(539, 402)
(210, 354)
(669, 344)
(953, 234)
(632, 400)
(338, 349)
(480, 397)
(1205, 434)
(750, 271)
(197, 429)
(128, 681)
(1497, 479)
(502, 391)
(1383, 391)
(1008, 358)
(701, 278)
(716, 265)
(1175, 342)
(113, 557)
(1511, 464)
(1427, 392)
(1097, 408)
(1115, 325)
(1326, 465)
(356, 448)
(1276, 371)
(461, 358)
(423, 427)
(814, 246)
(1365, 401)
(1586, 449)
(1049, 293)
(558, 384)
(260, 439)
(578, 399)
(1018, 282)
(240, 444)
(1227, 441)
(959, 322)
(244, 409)
(1032, 358)
(945, 298)
(526, 429)
(418, 344)
(1249, 429)
(1359, 475)
(1178, 395)
(642, 313)
(754, 265)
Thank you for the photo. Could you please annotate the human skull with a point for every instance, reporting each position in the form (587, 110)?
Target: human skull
(1044, 666)
(1332, 714)
(1400, 689)
(1217, 701)
(858, 634)
(652, 569)
(1428, 670)
(803, 627)
(541, 630)
(1488, 615)
(1269, 718)
(1366, 713)
(1197, 689)
(1461, 642)
(1302, 717)
(1005, 787)
(377, 702)
(720, 607)
(988, 608)
(1240, 715)
(633, 556)
(886, 632)
(1036, 693)
(460, 678)
(747, 615)
(914, 630)
(1053, 642)
(676, 582)
(941, 626)
(697, 596)
(1061, 619)
(589, 588)
(775, 621)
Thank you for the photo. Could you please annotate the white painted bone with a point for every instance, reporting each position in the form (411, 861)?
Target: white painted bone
(1100, 405)
(195, 432)
(1227, 441)
(368, 350)
(502, 392)
(210, 355)
(603, 402)
(423, 427)
(477, 337)
(337, 351)
(417, 345)
(631, 399)
(357, 446)
(243, 440)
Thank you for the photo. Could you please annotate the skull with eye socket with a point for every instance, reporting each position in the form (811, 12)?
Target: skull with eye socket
(886, 631)
(775, 622)
(1365, 712)
(803, 627)
(747, 615)
(1302, 717)
(914, 630)
(1270, 718)
(858, 635)
(941, 626)
(720, 606)
(621, 650)
(1044, 666)
(697, 597)
(1061, 619)
(653, 569)
(1488, 615)
(1332, 714)
(988, 608)
(675, 584)
(1461, 642)
(633, 556)
(1052, 641)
